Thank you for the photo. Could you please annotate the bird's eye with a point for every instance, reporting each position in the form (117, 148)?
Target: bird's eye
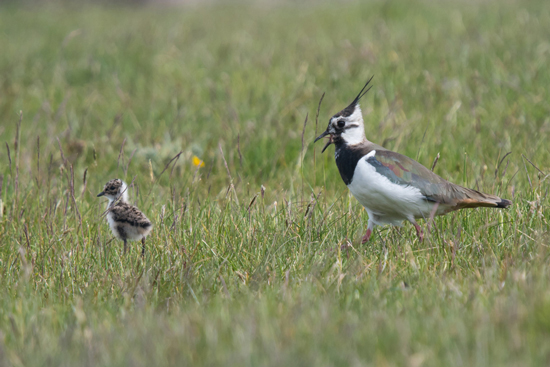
(341, 123)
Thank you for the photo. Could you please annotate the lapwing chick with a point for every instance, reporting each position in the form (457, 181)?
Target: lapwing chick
(392, 187)
(126, 221)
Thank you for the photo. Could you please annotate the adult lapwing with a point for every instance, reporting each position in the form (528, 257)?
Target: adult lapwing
(126, 221)
(392, 187)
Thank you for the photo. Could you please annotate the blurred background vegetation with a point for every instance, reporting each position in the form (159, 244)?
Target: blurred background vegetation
(254, 259)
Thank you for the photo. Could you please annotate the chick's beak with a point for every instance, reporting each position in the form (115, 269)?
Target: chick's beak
(101, 193)
(328, 142)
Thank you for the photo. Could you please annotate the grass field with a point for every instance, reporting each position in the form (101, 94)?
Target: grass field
(240, 275)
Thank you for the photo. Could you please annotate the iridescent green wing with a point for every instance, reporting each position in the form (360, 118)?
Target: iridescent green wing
(405, 171)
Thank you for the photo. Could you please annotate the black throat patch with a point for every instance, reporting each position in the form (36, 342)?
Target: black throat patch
(346, 159)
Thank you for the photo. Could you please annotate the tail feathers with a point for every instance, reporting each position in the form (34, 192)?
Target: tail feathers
(503, 203)
(476, 199)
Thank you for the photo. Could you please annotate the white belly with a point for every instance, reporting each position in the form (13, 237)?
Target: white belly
(385, 201)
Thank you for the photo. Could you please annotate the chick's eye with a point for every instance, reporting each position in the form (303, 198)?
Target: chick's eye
(341, 123)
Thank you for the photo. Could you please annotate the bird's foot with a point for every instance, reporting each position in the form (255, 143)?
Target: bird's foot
(345, 245)
(366, 237)
(419, 232)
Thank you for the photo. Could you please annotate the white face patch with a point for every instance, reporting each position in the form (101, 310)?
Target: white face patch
(354, 131)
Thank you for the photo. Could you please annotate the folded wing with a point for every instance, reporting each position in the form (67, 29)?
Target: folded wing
(405, 171)
(125, 213)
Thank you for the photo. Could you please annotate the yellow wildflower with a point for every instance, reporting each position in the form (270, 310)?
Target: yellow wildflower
(197, 162)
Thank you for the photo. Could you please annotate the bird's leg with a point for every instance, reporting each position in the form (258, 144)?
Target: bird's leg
(125, 246)
(143, 247)
(367, 235)
(419, 231)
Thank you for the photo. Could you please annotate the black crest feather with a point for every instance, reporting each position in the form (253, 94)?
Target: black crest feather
(349, 109)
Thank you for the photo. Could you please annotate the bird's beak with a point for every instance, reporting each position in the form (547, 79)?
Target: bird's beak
(328, 142)
(101, 193)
